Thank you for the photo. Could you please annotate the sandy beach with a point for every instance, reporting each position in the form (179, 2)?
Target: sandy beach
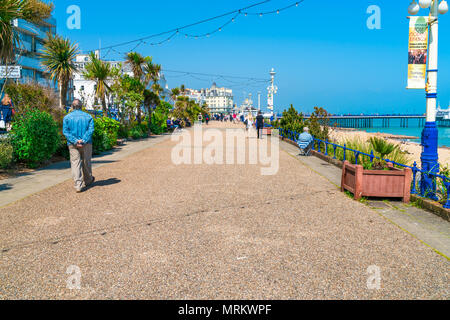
(413, 149)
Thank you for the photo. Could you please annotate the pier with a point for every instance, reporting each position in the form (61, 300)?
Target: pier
(382, 121)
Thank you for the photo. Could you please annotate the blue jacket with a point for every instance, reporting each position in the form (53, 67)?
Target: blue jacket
(304, 140)
(78, 125)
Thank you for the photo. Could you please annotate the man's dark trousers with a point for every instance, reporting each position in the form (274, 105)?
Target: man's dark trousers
(259, 129)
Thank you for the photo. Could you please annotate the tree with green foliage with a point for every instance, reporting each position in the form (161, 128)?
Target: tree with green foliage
(292, 120)
(319, 123)
(58, 58)
(136, 61)
(100, 72)
(130, 95)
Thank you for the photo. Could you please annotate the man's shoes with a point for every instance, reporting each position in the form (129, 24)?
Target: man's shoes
(92, 181)
(79, 190)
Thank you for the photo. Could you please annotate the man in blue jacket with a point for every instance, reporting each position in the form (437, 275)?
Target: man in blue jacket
(78, 128)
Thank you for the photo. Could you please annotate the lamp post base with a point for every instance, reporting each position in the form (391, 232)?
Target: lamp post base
(429, 160)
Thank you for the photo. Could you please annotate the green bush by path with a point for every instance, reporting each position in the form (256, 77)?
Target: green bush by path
(395, 153)
(6, 154)
(136, 132)
(35, 137)
(105, 134)
(159, 122)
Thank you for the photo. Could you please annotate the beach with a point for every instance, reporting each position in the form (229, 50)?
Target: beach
(411, 148)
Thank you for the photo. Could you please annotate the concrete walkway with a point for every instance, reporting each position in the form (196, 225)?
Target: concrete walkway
(150, 229)
(26, 184)
(432, 230)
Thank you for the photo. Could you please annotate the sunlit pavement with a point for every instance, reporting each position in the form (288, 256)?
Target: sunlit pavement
(150, 229)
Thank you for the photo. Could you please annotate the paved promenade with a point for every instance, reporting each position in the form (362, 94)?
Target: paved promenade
(149, 229)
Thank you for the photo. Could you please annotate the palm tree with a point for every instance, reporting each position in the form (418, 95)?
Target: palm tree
(10, 10)
(58, 57)
(175, 92)
(136, 61)
(151, 71)
(99, 71)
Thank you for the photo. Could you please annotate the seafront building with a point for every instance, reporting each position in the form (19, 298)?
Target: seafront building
(28, 67)
(195, 95)
(219, 100)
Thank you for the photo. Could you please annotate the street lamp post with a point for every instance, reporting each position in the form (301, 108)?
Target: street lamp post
(271, 91)
(429, 157)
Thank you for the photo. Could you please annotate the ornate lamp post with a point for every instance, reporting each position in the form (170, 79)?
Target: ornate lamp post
(271, 91)
(429, 157)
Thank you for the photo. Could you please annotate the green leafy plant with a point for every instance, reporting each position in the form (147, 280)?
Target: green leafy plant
(35, 137)
(105, 134)
(33, 96)
(382, 147)
(123, 132)
(6, 153)
(136, 132)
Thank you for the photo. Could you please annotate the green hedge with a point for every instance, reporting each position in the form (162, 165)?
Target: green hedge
(35, 137)
(6, 153)
(105, 134)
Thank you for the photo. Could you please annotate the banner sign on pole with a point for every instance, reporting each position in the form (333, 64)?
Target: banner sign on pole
(13, 72)
(418, 49)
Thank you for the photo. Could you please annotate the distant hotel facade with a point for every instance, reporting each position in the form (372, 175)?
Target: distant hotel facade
(219, 100)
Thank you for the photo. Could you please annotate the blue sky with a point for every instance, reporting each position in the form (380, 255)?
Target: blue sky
(322, 51)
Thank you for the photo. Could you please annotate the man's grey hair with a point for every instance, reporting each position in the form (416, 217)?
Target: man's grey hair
(77, 104)
(305, 129)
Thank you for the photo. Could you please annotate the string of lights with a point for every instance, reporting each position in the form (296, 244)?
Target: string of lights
(181, 30)
(245, 82)
(214, 75)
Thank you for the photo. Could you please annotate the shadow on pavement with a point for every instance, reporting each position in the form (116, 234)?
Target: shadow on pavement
(5, 186)
(104, 183)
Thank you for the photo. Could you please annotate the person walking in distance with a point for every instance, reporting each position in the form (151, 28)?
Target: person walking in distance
(78, 127)
(259, 124)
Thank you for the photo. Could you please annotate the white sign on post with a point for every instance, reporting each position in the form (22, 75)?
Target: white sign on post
(13, 72)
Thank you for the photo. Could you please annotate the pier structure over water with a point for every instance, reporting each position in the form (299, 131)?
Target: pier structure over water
(383, 121)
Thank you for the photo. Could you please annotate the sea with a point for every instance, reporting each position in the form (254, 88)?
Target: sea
(444, 133)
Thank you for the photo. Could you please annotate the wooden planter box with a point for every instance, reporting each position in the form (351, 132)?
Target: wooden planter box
(267, 131)
(394, 183)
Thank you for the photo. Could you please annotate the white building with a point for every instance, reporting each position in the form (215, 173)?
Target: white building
(195, 95)
(219, 100)
(85, 89)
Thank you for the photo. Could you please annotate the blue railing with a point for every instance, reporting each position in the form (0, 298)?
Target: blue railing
(426, 180)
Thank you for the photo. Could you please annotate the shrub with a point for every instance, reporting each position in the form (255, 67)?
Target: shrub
(159, 122)
(33, 96)
(35, 137)
(6, 153)
(144, 126)
(105, 134)
(136, 132)
(396, 154)
(123, 132)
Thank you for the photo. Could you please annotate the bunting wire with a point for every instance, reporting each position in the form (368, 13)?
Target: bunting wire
(177, 31)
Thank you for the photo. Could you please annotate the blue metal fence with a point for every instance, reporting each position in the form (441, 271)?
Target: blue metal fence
(427, 181)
